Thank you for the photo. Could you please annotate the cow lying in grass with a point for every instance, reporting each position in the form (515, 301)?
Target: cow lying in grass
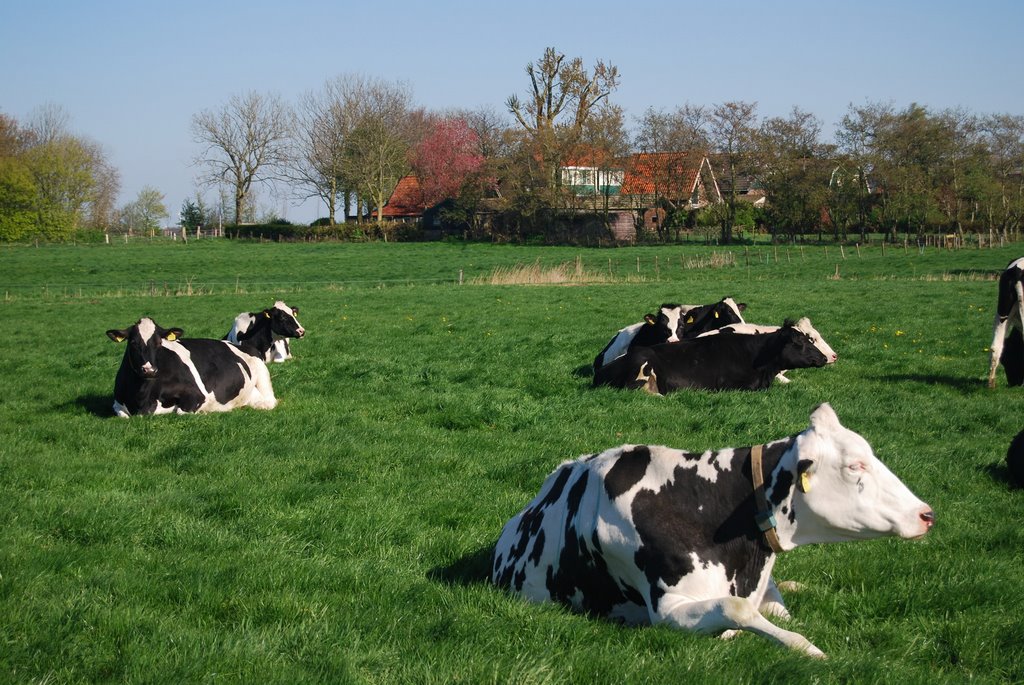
(650, 534)
(265, 334)
(728, 361)
(162, 374)
(672, 323)
(758, 329)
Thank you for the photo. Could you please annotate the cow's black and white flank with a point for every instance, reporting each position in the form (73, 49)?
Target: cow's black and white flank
(163, 374)
(757, 329)
(1009, 315)
(650, 534)
(728, 361)
(672, 323)
(266, 333)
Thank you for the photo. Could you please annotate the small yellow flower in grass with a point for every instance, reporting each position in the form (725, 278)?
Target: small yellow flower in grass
(885, 346)
(874, 329)
(899, 333)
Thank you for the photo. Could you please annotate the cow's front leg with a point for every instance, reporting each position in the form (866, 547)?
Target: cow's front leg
(730, 613)
(772, 603)
(998, 338)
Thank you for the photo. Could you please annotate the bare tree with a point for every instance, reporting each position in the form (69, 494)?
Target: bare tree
(683, 130)
(732, 129)
(244, 142)
(384, 128)
(563, 95)
(324, 122)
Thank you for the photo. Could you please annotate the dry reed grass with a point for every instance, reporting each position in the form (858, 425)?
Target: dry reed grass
(567, 273)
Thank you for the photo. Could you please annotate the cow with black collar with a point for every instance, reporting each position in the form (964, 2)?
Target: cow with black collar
(161, 373)
(672, 323)
(728, 361)
(1006, 330)
(266, 333)
(649, 534)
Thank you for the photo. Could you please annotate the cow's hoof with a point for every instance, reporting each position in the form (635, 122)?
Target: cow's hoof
(813, 651)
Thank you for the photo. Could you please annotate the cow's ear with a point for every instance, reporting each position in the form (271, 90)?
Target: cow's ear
(803, 470)
(173, 334)
(295, 311)
(824, 417)
(117, 336)
(650, 319)
(742, 306)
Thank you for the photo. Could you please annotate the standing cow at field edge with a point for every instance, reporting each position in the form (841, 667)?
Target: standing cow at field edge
(162, 374)
(1009, 315)
(266, 333)
(647, 534)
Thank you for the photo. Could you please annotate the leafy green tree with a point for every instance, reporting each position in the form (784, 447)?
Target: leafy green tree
(17, 200)
(793, 170)
(144, 214)
(192, 215)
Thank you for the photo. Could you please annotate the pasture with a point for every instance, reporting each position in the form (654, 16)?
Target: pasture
(344, 536)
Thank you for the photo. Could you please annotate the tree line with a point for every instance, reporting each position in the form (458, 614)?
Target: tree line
(499, 172)
(55, 184)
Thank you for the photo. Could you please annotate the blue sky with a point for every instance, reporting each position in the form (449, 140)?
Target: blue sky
(132, 74)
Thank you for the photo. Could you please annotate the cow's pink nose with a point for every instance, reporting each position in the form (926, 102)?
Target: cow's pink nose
(928, 516)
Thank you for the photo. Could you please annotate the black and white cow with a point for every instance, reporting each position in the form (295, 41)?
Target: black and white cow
(672, 323)
(267, 332)
(757, 329)
(163, 374)
(728, 361)
(1009, 315)
(650, 534)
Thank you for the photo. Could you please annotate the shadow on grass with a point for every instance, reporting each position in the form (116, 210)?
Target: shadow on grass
(471, 569)
(97, 405)
(1001, 474)
(584, 371)
(964, 383)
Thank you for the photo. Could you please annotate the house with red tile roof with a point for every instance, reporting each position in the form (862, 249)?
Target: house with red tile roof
(637, 189)
(405, 203)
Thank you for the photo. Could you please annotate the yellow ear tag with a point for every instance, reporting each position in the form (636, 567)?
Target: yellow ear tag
(172, 337)
(716, 315)
(805, 482)
(266, 313)
(119, 338)
(689, 320)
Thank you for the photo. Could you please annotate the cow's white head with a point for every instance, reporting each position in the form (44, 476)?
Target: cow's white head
(666, 323)
(845, 493)
(144, 339)
(284, 320)
(804, 325)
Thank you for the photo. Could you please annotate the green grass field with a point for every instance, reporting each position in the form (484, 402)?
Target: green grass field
(343, 536)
